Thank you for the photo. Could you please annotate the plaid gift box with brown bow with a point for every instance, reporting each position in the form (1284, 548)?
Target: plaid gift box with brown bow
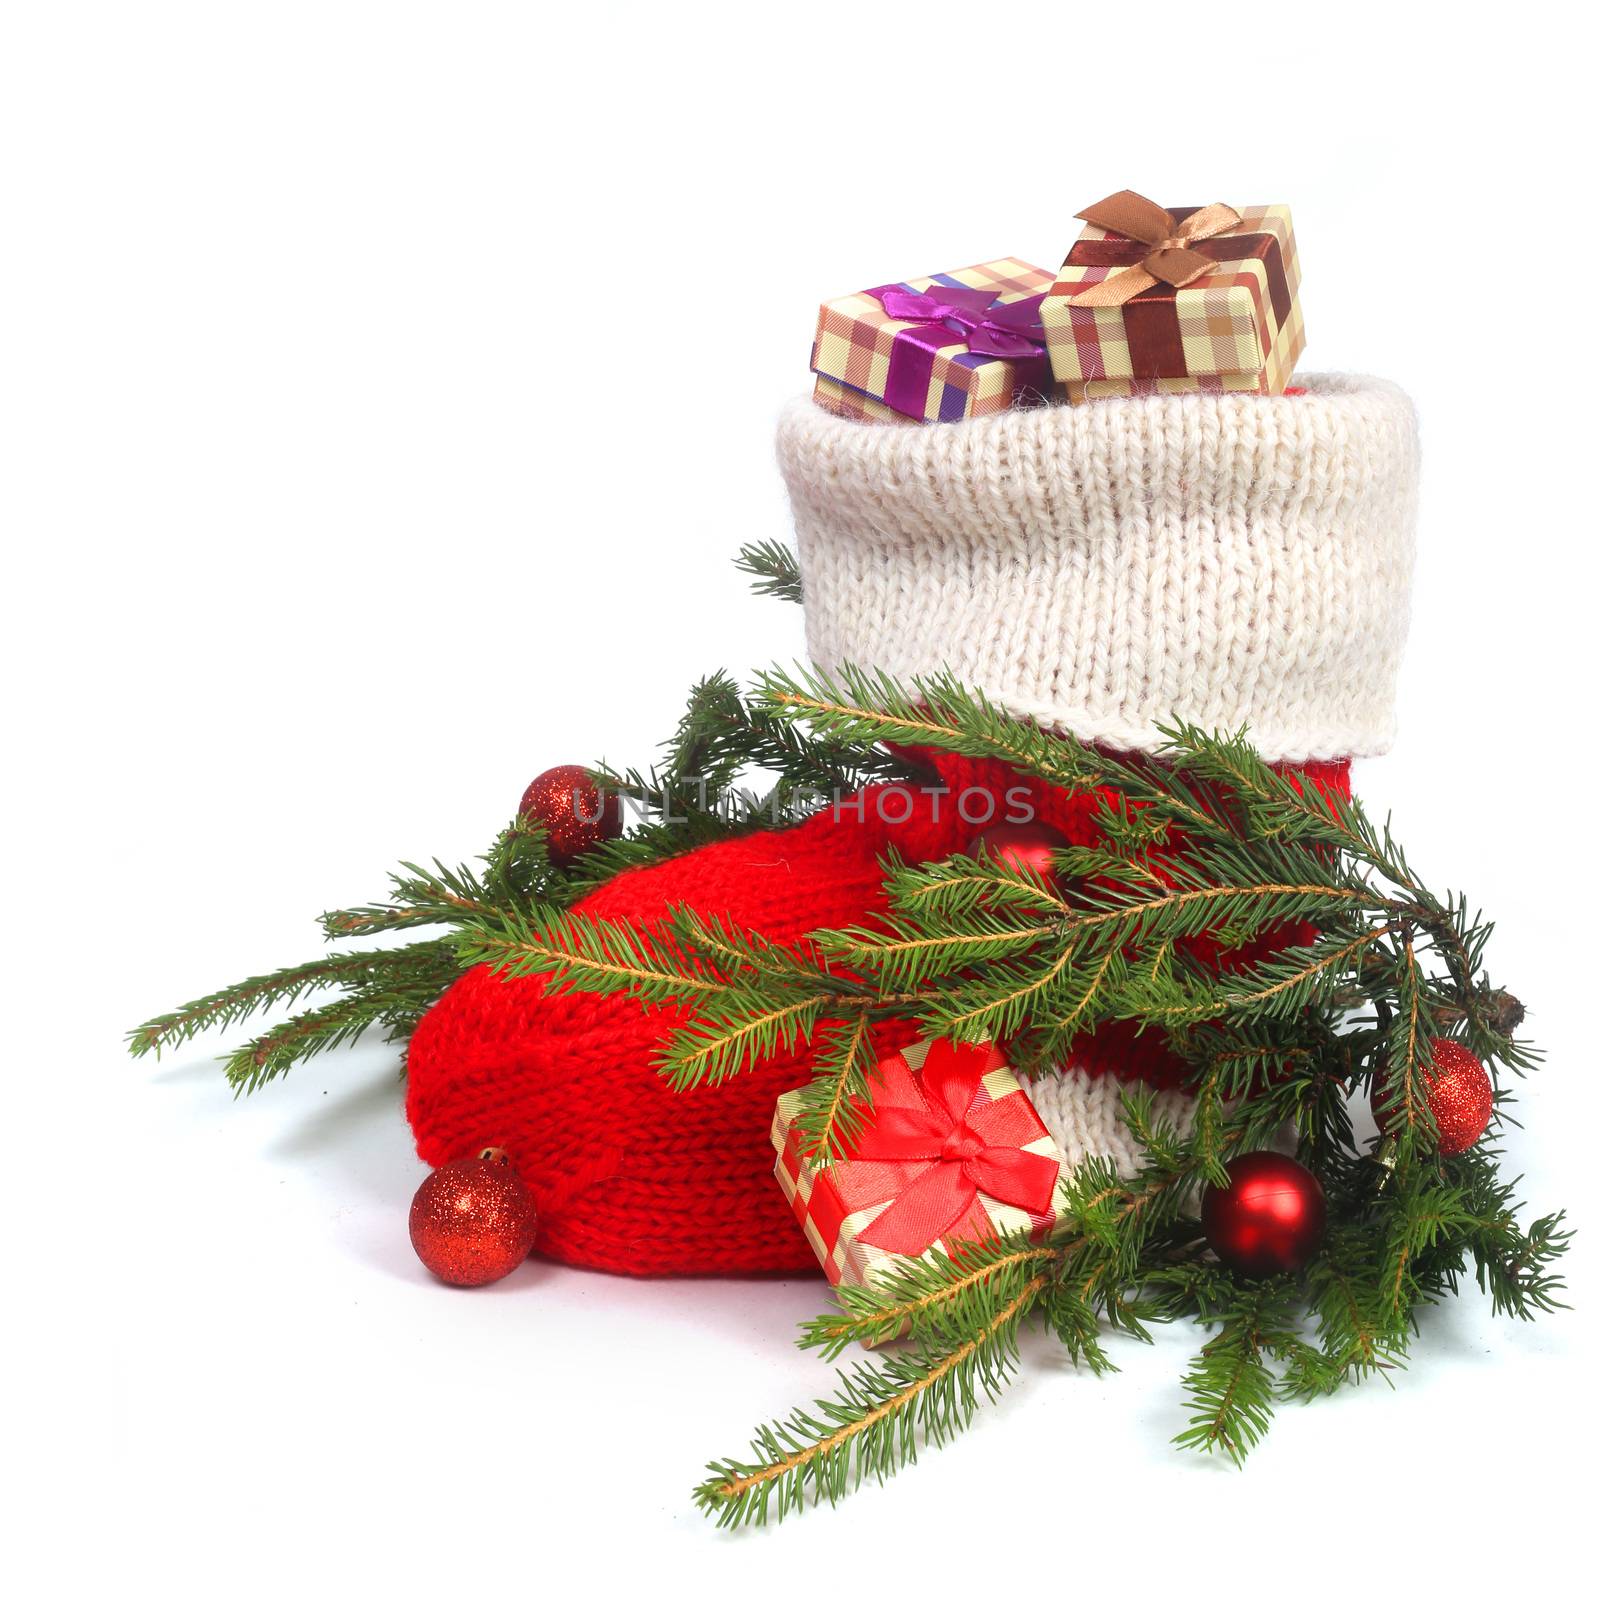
(1192, 300)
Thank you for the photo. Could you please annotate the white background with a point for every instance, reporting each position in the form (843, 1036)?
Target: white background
(385, 389)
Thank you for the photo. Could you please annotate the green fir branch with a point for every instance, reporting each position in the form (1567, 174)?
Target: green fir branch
(856, 707)
(774, 569)
(733, 1030)
(1279, 939)
(256, 1064)
(835, 1102)
(873, 1424)
(588, 955)
(1230, 1383)
(372, 970)
(1277, 987)
(938, 1300)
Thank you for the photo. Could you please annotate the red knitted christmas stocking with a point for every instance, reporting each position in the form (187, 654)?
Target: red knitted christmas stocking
(631, 1176)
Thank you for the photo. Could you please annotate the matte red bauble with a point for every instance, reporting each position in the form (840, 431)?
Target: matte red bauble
(473, 1221)
(1021, 844)
(576, 813)
(1460, 1096)
(1270, 1217)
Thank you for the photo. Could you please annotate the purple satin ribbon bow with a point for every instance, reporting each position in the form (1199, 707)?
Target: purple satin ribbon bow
(944, 316)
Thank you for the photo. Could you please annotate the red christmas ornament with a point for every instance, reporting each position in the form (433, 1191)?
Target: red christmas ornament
(1460, 1096)
(1021, 844)
(576, 813)
(473, 1221)
(1270, 1217)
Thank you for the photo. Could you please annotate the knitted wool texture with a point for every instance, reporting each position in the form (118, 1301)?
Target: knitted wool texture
(634, 1178)
(1231, 560)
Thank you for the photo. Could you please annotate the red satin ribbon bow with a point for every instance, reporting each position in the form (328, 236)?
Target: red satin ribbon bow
(932, 1146)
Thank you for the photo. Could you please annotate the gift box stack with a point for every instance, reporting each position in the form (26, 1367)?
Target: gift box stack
(1148, 301)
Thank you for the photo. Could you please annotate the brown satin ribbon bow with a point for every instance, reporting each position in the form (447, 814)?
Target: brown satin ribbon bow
(1170, 260)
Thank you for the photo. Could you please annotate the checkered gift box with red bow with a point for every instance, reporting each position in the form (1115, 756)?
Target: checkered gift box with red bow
(951, 1150)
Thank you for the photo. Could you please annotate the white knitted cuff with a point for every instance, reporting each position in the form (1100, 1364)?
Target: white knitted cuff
(1230, 560)
(1084, 1116)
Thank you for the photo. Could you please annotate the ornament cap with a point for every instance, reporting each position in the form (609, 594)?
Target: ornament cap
(1384, 1155)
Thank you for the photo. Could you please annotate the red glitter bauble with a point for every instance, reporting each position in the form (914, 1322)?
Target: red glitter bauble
(473, 1221)
(1460, 1096)
(576, 813)
(1021, 844)
(1270, 1217)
